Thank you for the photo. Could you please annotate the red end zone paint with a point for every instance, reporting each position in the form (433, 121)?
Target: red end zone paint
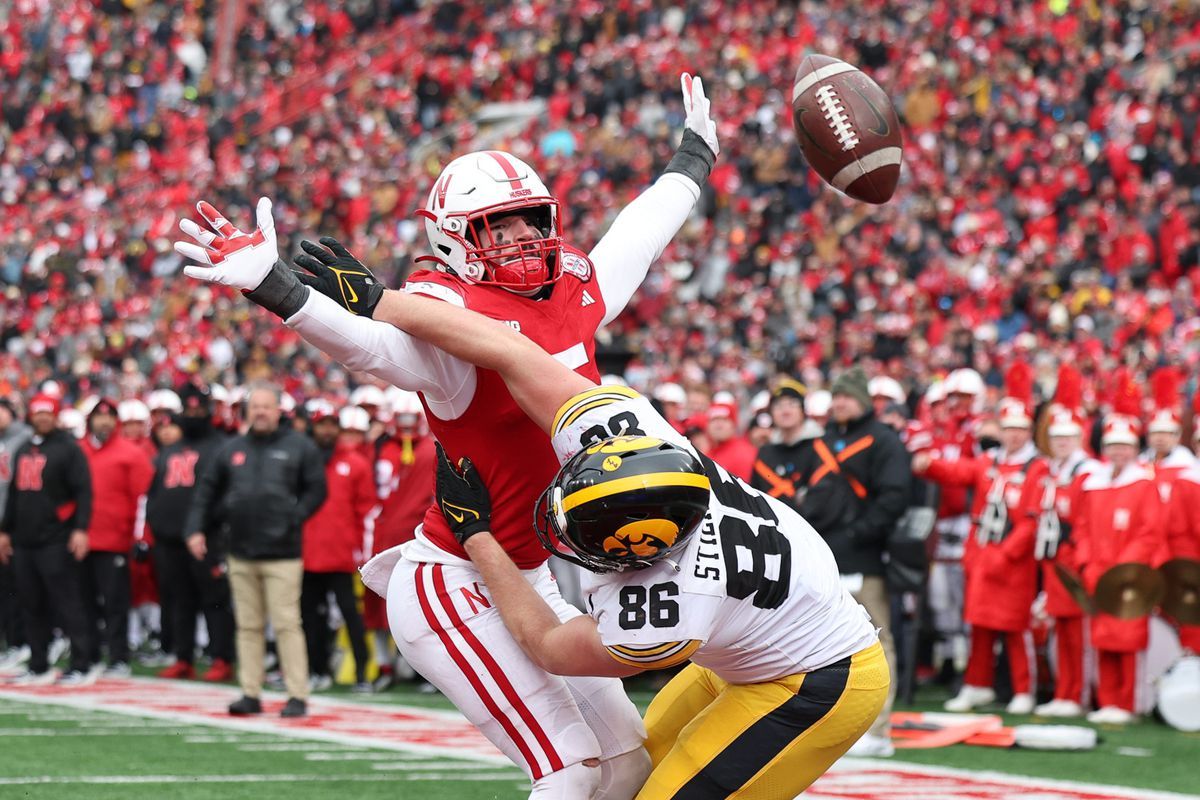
(448, 734)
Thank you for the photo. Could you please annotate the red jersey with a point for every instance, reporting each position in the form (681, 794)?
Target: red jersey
(514, 455)
(333, 535)
(121, 475)
(404, 474)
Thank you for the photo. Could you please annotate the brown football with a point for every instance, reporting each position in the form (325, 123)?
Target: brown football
(847, 128)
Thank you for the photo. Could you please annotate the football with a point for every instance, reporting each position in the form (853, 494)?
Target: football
(847, 128)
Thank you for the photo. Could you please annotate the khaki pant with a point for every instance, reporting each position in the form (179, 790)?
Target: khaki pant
(874, 598)
(265, 590)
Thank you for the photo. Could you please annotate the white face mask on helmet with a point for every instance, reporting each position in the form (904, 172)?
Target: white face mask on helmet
(473, 192)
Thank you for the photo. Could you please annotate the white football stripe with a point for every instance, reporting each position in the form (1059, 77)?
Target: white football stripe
(865, 165)
(820, 74)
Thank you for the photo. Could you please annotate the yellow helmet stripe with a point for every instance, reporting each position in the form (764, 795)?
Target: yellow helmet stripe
(570, 410)
(632, 483)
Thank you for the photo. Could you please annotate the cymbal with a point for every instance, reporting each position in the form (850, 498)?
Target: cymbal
(1129, 591)
(1074, 585)
(1182, 599)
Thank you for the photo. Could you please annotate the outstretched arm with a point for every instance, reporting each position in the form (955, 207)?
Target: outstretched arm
(250, 262)
(538, 383)
(643, 229)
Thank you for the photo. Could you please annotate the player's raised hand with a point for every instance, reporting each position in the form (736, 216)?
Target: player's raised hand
(226, 255)
(463, 498)
(338, 275)
(697, 113)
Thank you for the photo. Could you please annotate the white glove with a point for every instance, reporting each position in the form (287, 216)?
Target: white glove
(696, 109)
(230, 257)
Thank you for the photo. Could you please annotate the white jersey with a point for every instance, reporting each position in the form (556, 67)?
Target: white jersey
(754, 596)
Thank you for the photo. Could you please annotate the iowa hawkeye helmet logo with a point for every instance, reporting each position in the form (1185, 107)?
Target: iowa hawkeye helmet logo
(644, 538)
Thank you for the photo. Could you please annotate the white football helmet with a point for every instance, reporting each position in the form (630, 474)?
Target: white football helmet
(472, 192)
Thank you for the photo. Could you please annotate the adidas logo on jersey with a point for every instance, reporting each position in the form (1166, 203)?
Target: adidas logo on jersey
(587, 299)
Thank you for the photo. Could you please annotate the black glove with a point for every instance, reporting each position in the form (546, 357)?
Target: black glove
(462, 497)
(339, 276)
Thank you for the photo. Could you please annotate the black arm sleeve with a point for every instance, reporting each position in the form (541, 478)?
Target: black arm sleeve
(693, 158)
(79, 484)
(312, 479)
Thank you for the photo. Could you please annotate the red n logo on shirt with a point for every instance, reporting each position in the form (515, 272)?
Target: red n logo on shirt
(29, 472)
(181, 470)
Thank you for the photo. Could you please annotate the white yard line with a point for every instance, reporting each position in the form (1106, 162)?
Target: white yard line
(867, 766)
(38, 780)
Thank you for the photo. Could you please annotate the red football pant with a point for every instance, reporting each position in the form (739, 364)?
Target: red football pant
(1068, 635)
(981, 664)
(1117, 680)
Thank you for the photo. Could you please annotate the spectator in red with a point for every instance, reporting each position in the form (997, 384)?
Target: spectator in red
(1183, 537)
(1118, 521)
(725, 445)
(333, 542)
(1001, 574)
(1069, 467)
(121, 473)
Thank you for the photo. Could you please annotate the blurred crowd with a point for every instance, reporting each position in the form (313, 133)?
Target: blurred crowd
(1050, 184)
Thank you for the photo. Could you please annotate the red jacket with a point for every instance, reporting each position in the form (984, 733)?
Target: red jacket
(1118, 521)
(404, 474)
(1001, 576)
(1183, 536)
(1067, 480)
(333, 536)
(121, 475)
(736, 455)
(1168, 469)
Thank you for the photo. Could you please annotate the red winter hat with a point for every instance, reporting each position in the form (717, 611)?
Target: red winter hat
(722, 411)
(44, 404)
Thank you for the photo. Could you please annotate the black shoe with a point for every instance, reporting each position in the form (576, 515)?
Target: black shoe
(294, 707)
(244, 706)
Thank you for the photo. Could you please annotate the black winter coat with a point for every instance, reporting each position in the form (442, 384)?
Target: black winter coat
(258, 492)
(855, 507)
(51, 491)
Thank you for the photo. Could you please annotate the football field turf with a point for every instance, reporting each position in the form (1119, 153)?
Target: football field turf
(147, 738)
